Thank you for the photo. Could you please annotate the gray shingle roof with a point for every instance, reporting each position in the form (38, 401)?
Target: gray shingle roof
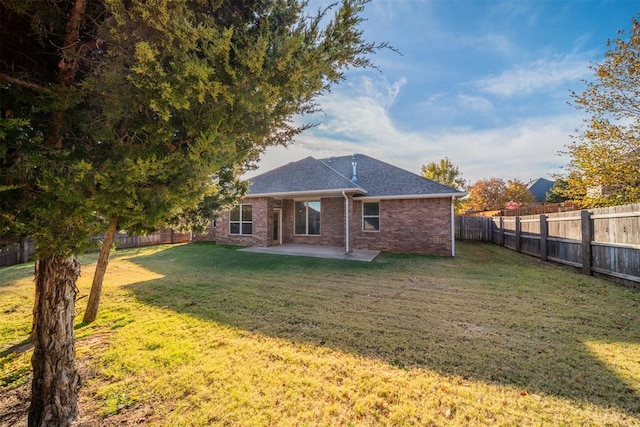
(539, 188)
(382, 179)
(307, 174)
(373, 178)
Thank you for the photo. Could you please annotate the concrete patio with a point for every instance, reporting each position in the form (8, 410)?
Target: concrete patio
(332, 252)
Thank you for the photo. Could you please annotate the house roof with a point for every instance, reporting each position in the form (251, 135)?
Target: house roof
(539, 188)
(373, 179)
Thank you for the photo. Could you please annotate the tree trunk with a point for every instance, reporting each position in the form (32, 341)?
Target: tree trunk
(34, 321)
(91, 312)
(54, 389)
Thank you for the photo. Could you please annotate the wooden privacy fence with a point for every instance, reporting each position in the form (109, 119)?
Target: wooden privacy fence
(17, 251)
(161, 237)
(604, 240)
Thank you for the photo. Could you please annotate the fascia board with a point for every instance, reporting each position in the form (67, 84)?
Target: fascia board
(414, 196)
(294, 194)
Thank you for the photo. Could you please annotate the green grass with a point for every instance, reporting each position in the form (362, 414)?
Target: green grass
(202, 334)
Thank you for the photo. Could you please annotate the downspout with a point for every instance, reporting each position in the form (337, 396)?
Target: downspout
(346, 222)
(453, 227)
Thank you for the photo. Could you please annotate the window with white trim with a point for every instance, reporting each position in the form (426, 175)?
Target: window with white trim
(307, 218)
(371, 216)
(241, 220)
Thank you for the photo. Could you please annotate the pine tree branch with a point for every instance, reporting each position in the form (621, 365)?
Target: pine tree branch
(24, 83)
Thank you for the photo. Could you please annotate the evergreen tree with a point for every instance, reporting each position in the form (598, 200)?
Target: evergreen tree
(135, 114)
(557, 193)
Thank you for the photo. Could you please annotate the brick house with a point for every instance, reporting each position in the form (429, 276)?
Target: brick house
(355, 202)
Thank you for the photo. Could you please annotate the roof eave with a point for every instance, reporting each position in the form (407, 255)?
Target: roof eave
(294, 194)
(414, 196)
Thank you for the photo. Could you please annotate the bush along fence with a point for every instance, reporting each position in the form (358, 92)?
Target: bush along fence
(602, 241)
(20, 250)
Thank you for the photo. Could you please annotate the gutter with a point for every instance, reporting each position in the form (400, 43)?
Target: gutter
(308, 193)
(453, 227)
(414, 196)
(346, 222)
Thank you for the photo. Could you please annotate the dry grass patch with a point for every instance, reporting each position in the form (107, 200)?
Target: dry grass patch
(203, 335)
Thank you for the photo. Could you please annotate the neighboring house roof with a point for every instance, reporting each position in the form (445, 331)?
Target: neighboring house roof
(539, 188)
(373, 179)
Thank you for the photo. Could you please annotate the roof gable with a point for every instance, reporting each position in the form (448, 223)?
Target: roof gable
(539, 188)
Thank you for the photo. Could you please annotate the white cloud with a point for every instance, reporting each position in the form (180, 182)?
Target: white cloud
(541, 75)
(485, 42)
(442, 108)
(474, 103)
(525, 149)
(360, 114)
(383, 94)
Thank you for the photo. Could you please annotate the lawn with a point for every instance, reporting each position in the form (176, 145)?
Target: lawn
(202, 335)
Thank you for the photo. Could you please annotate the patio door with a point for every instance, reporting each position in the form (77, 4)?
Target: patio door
(277, 226)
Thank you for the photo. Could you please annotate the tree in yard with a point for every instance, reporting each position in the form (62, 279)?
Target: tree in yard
(604, 168)
(228, 188)
(517, 194)
(445, 173)
(494, 194)
(135, 114)
(557, 193)
(486, 195)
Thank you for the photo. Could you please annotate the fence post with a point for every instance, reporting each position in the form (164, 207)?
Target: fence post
(23, 256)
(544, 233)
(462, 228)
(501, 231)
(587, 233)
(518, 241)
(490, 230)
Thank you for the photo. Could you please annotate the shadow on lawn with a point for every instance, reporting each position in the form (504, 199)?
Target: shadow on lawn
(488, 315)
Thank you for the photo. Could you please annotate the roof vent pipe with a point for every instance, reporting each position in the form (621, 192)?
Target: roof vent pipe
(354, 164)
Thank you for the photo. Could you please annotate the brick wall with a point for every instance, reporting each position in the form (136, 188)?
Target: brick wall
(331, 223)
(407, 226)
(262, 225)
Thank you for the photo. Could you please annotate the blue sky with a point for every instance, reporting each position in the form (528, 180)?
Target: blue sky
(485, 83)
